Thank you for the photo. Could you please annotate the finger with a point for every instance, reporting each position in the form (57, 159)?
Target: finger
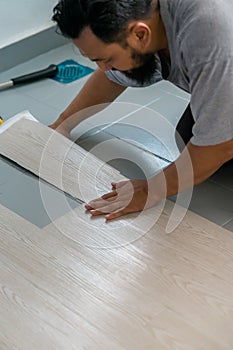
(120, 212)
(115, 215)
(109, 195)
(107, 209)
(88, 206)
(99, 203)
(94, 212)
(102, 201)
(116, 185)
(112, 204)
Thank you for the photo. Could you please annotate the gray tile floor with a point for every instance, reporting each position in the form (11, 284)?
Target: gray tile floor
(135, 134)
(22, 193)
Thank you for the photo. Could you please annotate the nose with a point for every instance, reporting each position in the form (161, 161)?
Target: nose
(104, 66)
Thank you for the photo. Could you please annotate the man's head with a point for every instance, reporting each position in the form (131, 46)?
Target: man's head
(117, 34)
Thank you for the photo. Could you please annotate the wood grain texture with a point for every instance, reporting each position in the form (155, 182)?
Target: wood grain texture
(56, 159)
(80, 283)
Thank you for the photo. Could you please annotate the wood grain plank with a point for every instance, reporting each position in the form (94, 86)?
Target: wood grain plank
(184, 277)
(80, 283)
(118, 294)
(56, 159)
(42, 281)
(172, 332)
(34, 319)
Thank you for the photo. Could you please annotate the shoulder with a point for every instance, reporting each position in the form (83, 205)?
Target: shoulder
(204, 29)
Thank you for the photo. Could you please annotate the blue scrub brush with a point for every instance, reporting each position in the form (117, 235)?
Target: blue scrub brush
(69, 71)
(65, 72)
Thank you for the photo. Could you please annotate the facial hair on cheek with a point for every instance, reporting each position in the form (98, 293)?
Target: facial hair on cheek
(145, 71)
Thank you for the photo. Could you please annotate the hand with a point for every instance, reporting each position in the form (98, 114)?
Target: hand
(125, 197)
(61, 129)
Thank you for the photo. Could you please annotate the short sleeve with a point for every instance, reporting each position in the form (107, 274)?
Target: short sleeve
(211, 87)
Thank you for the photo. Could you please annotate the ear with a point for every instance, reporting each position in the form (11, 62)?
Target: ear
(139, 36)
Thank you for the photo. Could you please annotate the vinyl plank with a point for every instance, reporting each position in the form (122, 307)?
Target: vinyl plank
(149, 273)
(187, 278)
(127, 284)
(172, 332)
(122, 290)
(43, 321)
(55, 158)
(124, 297)
(65, 294)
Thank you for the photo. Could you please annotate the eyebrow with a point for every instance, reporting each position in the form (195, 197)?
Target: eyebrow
(94, 59)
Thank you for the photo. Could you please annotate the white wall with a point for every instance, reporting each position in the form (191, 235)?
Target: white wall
(22, 18)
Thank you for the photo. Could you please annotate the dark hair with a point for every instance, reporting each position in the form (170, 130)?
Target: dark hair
(108, 19)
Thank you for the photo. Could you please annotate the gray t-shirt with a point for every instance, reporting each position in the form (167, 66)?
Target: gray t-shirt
(200, 38)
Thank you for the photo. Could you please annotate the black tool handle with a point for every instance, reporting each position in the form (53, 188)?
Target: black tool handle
(48, 72)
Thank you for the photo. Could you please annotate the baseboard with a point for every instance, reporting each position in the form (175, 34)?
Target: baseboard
(30, 47)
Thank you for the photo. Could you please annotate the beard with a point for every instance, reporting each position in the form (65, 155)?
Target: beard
(144, 73)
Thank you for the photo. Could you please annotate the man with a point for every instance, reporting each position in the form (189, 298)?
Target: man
(136, 43)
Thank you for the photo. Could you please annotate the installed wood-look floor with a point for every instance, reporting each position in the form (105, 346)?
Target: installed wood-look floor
(80, 283)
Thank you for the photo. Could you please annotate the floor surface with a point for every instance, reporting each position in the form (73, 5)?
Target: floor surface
(144, 118)
(145, 281)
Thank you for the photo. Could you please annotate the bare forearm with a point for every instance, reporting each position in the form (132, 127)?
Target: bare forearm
(94, 96)
(194, 166)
